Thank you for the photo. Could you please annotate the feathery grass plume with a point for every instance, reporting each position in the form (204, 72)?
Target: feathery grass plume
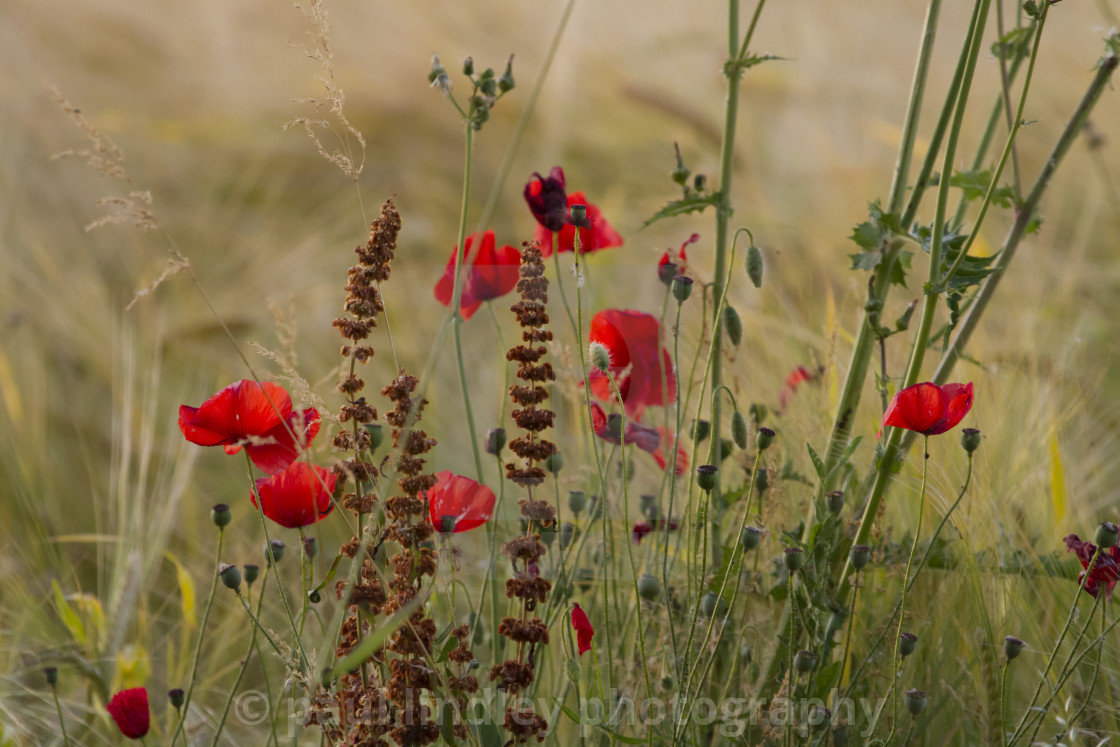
(515, 675)
(320, 51)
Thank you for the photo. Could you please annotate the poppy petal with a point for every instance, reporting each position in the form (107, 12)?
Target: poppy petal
(459, 502)
(298, 496)
(283, 449)
(129, 709)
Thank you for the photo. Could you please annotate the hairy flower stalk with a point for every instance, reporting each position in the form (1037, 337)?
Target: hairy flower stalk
(524, 551)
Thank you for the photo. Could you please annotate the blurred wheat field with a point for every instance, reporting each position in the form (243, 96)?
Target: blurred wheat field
(103, 504)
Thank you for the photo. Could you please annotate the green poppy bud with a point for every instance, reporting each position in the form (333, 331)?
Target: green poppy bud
(577, 501)
(739, 429)
(682, 288)
(554, 462)
(468, 67)
(230, 576)
(495, 441)
(706, 476)
(314, 597)
(600, 357)
(712, 604)
(795, 558)
(221, 515)
(915, 701)
(649, 588)
(804, 661)
(726, 447)
(274, 550)
(754, 266)
(567, 534)
(762, 480)
(733, 324)
(251, 573)
(750, 538)
(835, 500)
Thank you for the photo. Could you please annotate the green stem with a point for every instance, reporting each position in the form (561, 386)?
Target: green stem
(256, 621)
(198, 643)
(789, 651)
(1003, 704)
(672, 472)
(240, 674)
(61, 721)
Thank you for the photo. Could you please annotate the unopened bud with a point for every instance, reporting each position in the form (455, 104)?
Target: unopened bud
(762, 480)
(310, 548)
(468, 66)
(230, 576)
(649, 588)
(554, 462)
(701, 429)
(567, 535)
(600, 357)
(712, 604)
(739, 429)
(804, 661)
(221, 515)
(314, 596)
(754, 266)
(733, 324)
(51, 675)
(176, 696)
(506, 82)
(681, 172)
(835, 500)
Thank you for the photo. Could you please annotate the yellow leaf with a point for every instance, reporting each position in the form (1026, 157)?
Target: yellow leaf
(133, 667)
(69, 617)
(94, 613)
(833, 328)
(1057, 476)
(10, 392)
(186, 591)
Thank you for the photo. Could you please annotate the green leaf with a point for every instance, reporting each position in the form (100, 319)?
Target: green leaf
(818, 465)
(571, 666)
(489, 734)
(684, 206)
(975, 185)
(330, 573)
(1015, 43)
(69, 617)
(447, 723)
(873, 236)
(973, 269)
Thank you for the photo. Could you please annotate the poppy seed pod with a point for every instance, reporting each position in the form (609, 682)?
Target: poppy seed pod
(600, 356)
(733, 324)
(274, 550)
(701, 429)
(820, 718)
(795, 558)
(314, 597)
(754, 265)
(230, 576)
(706, 476)
(251, 573)
(1107, 534)
(554, 462)
(860, 556)
(907, 642)
(970, 439)
(739, 429)
(310, 548)
(52, 675)
(649, 588)
(764, 438)
(577, 501)
(1012, 647)
(750, 537)
(221, 515)
(495, 441)
(915, 701)
(578, 214)
(682, 288)
(712, 604)
(176, 696)
(548, 535)
(804, 661)
(835, 501)
(567, 534)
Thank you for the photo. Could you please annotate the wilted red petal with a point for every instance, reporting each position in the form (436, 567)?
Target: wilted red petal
(640, 530)
(547, 200)
(667, 439)
(129, 709)
(459, 500)
(298, 496)
(633, 339)
(795, 379)
(488, 272)
(1105, 571)
(927, 408)
(584, 631)
(276, 456)
(242, 409)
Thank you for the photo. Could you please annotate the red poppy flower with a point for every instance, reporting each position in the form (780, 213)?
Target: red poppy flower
(129, 709)
(633, 339)
(584, 631)
(642, 528)
(258, 416)
(547, 199)
(796, 378)
(650, 440)
(298, 496)
(928, 408)
(1105, 571)
(489, 272)
(458, 503)
(675, 263)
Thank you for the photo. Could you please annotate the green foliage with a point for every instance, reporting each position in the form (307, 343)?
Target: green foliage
(876, 237)
(684, 206)
(975, 184)
(972, 270)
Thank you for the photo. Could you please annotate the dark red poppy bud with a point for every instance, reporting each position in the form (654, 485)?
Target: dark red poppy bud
(804, 661)
(649, 587)
(706, 476)
(230, 576)
(970, 439)
(52, 675)
(764, 438)
(1012, 647)
(577, 501)
(495, 440)
(750, 538)
(835, 500)
(666, 271)
(915, 701)
(129, 709)
(251, 573)
(907, 643)
(176, 696)
(739, 429)
(682, 287)
(274, 550)
(1107, 534)
(221, 515)
(795, 558)
(860, 556)
(754, 266)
